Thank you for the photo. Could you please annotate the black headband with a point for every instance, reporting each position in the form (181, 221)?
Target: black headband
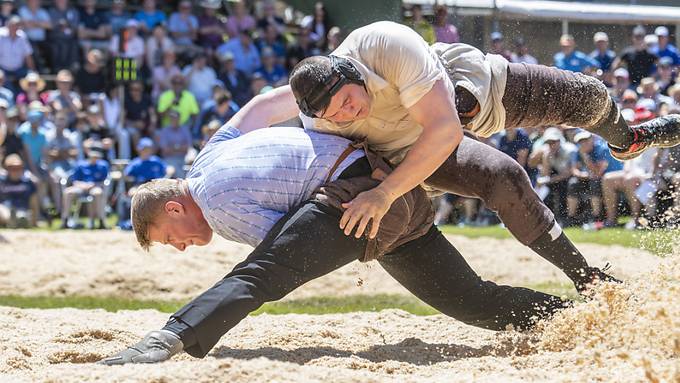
(318, 99)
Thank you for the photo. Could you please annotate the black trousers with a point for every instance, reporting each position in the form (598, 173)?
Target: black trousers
(308, 243)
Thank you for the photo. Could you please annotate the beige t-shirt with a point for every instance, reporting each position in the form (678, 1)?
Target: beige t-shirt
(399, 68)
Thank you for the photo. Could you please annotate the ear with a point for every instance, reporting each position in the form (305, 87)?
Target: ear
(174, 208)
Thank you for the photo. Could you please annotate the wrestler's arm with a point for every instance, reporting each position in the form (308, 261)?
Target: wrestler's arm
(264, 110)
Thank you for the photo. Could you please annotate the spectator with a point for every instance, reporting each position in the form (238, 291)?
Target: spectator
(301, 49)
(649, 89)
(588, 168)
(222, 109)
(94, 29)
(162, 74)
(132, 45)
(95, 135)
(12, 143)
(269, 18)
(32, 86)
(258, 84)
(445, 32)
(664, 48)
(246, 56)
(37, 23)
(179, 99)
(18, 202)
(91, 79)
(140, 116)
(212, 28)
(174, 141)
(334, 40)
(183, 26)
(6, 11)
(517, 145)
(64, 98)
(61, 153)
(674, 93)
(418, 24)
(147, 166)
(209, 130)
(149, 17)
(15, 51)
(319, 24)
(88, 179)
(602, 54)
(571, 59)
(118, 16)
(521, 54)
(234, 80)
(272, 71)
(639, 62)
(621, 84)
(665, 78)
(498, 47)
(240, 20)
(271, 40)
(5, 93)
(553, 156)
(33, 135)
(200, 78)
(157, 46)
(63, 37)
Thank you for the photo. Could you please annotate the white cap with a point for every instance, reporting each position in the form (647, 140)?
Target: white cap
(600, 36)
(621, 72)
(661, 31)
(580, 136)
(652, 40)
(552, 134)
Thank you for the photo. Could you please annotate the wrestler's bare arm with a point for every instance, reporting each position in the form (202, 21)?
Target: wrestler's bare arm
(264, 110)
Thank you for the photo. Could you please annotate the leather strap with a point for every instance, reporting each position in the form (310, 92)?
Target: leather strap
(337, 163)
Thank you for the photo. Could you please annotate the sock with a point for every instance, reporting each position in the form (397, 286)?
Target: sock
(556, 248)
(185, 333)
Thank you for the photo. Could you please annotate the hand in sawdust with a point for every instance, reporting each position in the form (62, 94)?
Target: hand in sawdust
(367, 207)
(157, 346)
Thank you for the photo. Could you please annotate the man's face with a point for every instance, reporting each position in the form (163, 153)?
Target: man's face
(586, 145)
(15, 172)
(602, 45)
(178, 227)
(351, 103)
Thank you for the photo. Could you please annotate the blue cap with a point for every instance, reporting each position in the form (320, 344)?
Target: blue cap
(34, 115)
(144, 143)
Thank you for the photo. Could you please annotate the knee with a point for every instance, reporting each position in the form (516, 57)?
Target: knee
(508, 185)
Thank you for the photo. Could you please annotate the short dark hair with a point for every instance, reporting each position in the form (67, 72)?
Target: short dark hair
(308, 74)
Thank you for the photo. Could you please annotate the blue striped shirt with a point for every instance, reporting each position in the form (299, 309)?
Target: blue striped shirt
(245, 183)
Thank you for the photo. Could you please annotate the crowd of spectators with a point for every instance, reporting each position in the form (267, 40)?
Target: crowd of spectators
(76, 137)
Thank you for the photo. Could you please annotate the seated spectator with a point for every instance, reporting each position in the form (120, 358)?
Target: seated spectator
(95, 134)
(272, 71)
(132, 44)
(319, 24)
(621, 84)
(571, 59)
(334, 40)
(588, 167)
(200, 78)
(162, 75)
(5, 93)
(183, 26)
(674, 94)
(665, 78)
(498, 46)
(211, 27)
(149, 17)
(221, 110)
(16, 53)
(209, 130)
(118, 16)
(140, 116)
(444, 31)
(246, 56)
(88, 179)
(6, 11)
(91, 78)
(12, 143)
(147, 166)
(235, 81)
(664, 48)
(272, 40)
(516, 144)
(32, 87)
(521, 54)
(94, 29)
(269, 18)
(63, 37)
(649, 89)
(18, 198)
(258, 84)
(553, 156)
(629, 99)
(637, 59)
(36, 22)
(602, 54)
(64, 98)
(158, 45)
(33, 134)
(240, 19)
(61, 152)
(418, 23)
(301, 49)
(174, 141)
(179, 99)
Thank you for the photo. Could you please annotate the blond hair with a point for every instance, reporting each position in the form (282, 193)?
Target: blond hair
(148, 202)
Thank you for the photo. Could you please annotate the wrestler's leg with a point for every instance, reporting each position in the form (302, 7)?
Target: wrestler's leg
(434, 271)
(305, 244)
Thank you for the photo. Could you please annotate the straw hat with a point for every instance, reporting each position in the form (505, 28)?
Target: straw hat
(645, 82)
(673, 90)
(32, 77)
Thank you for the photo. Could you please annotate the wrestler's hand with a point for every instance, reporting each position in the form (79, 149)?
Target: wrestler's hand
(369, 206)
(157, 346)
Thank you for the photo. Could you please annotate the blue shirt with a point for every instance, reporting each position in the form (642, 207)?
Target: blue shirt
(88, 172)
(513, 147)
(150, 19)
(145, 170)
(17, 193)
(277, 74)
(179, 25)
(246, 61)
(669, 51)
(599, 153)
(577, 61)
(605, 60)
(245, 183)
(35, 143)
